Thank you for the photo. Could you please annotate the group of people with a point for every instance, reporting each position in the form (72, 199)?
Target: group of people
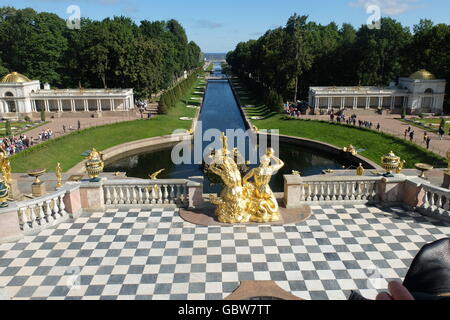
(12, 145)
(341, 118)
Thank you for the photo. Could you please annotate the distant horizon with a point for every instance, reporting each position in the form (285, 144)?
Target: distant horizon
(218, 28)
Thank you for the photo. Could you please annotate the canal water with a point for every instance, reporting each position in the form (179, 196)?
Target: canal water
(221, 111)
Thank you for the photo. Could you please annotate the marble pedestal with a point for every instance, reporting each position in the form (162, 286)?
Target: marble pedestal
(38, 189)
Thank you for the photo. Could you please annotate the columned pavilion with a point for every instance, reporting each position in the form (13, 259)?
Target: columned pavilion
(22, 96)
(419, 93)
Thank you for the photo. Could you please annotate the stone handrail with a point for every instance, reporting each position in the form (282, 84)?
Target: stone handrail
(435, 202)
(179, 192)
(315, 189)
(129, 192)
(42, 212)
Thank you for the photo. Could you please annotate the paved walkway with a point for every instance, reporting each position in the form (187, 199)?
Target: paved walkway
(56, 125)
(391, 125)
(154, 254)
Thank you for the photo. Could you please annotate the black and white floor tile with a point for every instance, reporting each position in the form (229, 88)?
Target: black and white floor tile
(154, 254)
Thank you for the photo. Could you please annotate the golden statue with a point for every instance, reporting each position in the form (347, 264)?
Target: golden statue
(350, 149)
(263, 205)
(296, 173)
(232, 204)
(242, 201)
(154, 176)
(6, 168)
(58, 173)
(360, 170)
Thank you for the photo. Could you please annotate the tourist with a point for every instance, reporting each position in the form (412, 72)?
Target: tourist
(79, 125)
(406, 133)
(441, 133)
(428, 142)
(378, 127)
(425, 136)
(64, 128)
(411, 136)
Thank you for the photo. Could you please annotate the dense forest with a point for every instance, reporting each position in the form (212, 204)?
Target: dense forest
(304, 54)
(113, 53)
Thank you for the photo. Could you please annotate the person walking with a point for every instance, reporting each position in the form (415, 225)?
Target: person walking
(411, 136)
(378, 127)
(428, 142)
(64, 128)
(406, 133)
(441, 133)
(425, 136)
(79, 125)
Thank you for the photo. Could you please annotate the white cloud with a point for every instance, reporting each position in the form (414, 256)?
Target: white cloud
(388, 7)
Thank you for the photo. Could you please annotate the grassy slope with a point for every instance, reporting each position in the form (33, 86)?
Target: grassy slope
(375, 144)
(68, 149)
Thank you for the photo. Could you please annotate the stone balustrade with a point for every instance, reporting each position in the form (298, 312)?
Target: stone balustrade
(139, 192)
(435, 202)
(42, 212)
(318, 189)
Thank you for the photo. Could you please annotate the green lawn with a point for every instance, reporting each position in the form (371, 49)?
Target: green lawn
(375, 144)
(68, 149)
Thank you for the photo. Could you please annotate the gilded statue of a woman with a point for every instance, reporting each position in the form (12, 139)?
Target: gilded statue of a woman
(263, 205)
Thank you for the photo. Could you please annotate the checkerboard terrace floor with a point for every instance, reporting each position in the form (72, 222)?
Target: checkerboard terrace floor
(154, 254)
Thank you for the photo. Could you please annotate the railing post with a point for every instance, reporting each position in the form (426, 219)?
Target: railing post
(10, 224)
(292, 191)
(195, 192)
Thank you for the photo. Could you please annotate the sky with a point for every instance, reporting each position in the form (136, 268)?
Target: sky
(218, 26)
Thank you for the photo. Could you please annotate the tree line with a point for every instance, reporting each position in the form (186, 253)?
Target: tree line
(172, 96)
(112, 53)
(288, 60)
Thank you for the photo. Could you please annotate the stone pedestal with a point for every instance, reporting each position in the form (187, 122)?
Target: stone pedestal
(38, 189)
(446, 183)
(14, 192)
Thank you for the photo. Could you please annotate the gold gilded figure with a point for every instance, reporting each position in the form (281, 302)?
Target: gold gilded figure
(6, 168)
(58, 173)
(263, 205)
(231, 205)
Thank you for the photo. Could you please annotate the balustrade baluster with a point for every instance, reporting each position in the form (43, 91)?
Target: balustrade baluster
(139, 195)
(62, 206)
(146, 195)
(172, 194)
(23, 219)
(48, 212)
(121, 196)
(107, 195)
(166, 193)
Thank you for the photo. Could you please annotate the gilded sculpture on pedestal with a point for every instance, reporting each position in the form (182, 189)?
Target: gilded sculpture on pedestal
(58, 173)
(232, 204)
(5, 183)
(242, 201)
(263, 205)
(94, 165)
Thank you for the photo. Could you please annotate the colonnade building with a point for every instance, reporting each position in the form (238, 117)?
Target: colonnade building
(419, 93)
(20, 96)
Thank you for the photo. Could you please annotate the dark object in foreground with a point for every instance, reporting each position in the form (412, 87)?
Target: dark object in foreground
(429, 275)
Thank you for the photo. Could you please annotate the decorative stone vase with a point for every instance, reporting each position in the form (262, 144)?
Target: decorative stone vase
(390, 162)
(4, 193)
(94, 165)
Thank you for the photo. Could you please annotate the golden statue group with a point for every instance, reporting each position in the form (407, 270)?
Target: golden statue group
(242, 201)
(5, 184)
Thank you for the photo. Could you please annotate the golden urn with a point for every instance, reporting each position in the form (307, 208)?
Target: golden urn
(390, 162)
(94, 165)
